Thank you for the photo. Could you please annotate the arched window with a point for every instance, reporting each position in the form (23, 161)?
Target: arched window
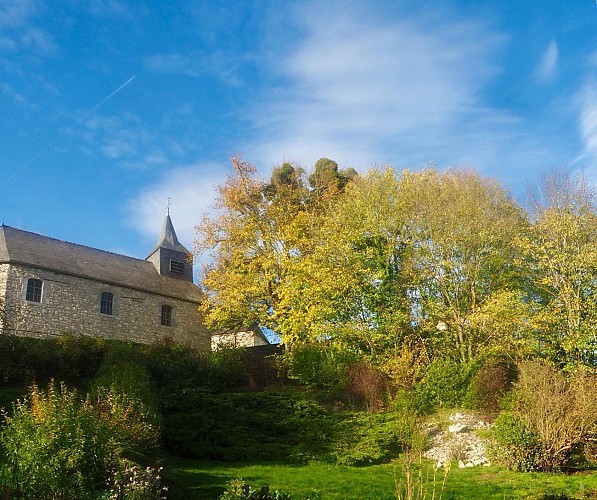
(34, 288)
(166, 318)
(107, 303)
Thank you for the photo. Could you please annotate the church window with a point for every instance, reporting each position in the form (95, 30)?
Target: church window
(107, 303)
(176, 266)
(34, 288)
(166, 318)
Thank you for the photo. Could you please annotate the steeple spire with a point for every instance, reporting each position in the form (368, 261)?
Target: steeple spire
(169, 256)
(168, 238)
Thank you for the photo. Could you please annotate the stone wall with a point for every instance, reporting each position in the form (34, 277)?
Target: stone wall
(3, 278)
(236, 339)
(71, 305)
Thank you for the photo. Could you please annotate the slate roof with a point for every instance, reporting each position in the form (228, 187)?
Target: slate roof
(168, 239)
(35, 250)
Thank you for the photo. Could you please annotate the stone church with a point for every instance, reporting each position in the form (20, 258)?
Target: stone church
(50, 287)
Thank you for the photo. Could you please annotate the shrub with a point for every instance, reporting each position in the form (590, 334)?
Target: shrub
(590, 446)
(367, 439)
(72, 359)
(514, 445)
(56, 445)
(79, 359)
(367, 386)
(404, 368)
(405, 402)
(228, 365)
(241, 426)
(174, 367)
(133, 425)
(122, 392)
(321, 366)
(552, 417)
(489, 385)
(240, 490)
(560, 410)
(445, 384)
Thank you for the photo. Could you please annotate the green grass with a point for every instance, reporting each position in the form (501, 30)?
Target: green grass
(194, 479)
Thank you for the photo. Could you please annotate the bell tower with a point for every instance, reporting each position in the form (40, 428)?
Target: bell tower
(169, 257)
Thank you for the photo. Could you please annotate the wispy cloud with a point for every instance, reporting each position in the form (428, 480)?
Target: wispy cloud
(103, 8)
(196, 65)
(7, 90)
(587, 123)
(120, 138)
(15, 13)
(192, 190)
(17, 30)
(127, 141)
(548, 64)
(367, 90)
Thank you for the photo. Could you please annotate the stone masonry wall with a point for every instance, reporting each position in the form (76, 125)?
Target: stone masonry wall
(3, 278)
(236, 339)
(71, 305)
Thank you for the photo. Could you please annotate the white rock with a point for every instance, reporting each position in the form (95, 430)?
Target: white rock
(457, 427)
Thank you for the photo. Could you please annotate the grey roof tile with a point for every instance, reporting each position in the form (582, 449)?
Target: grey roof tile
(36, 250)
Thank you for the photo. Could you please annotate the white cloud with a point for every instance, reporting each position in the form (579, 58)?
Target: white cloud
(15, 13)
(123, 138)
(192, 190)
(587, 124)
(366, 90)
(548, 65)
(17, 30)
(7, 90)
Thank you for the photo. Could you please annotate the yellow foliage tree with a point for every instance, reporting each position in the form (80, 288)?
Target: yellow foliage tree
(560, 253)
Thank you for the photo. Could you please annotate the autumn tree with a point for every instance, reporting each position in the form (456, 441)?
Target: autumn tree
(376, 263)
(261, 229)
(349, 289)
(420, 259)
(462, 226)
(560, 253)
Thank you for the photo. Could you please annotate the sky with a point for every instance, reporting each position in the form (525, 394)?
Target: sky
(108, 108)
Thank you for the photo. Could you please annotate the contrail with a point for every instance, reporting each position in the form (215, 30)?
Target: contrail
(105, 99)
(43, 150)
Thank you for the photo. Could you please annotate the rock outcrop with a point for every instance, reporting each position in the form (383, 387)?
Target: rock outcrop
(458, 442)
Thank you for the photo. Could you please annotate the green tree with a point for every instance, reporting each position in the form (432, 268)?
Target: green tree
(327, 178)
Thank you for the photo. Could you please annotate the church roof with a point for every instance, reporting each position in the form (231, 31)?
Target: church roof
(35, 250)
(168, 238)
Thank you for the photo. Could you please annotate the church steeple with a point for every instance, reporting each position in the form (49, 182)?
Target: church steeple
(169, 256)
(168, 238)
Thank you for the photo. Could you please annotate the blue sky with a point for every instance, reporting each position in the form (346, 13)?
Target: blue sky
(110, 107)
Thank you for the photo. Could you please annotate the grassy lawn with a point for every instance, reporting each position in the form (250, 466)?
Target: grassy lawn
(207, 480)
